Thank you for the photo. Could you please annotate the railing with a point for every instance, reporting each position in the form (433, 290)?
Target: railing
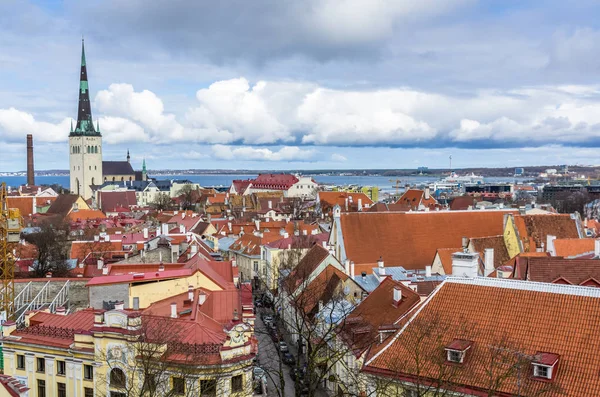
(61, 298)
(40, 300)
(22, 298)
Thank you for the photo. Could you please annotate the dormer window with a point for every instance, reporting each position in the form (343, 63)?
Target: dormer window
(457, 350)
(544, 365)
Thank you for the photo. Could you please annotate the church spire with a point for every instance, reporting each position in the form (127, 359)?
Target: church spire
(85, 125)
(128, 157)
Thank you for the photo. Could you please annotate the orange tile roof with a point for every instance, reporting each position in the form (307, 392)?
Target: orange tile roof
(81, 249)
(23, 204)
(531, 318)
(416, 197)
(497, 244)
(445, 255)
(411, 239)
(533, 229)
(573, 246)
(332, 199)
(83, 215)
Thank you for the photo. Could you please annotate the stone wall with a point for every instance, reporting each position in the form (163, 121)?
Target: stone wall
(78, 292)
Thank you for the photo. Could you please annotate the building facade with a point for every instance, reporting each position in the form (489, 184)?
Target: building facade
(85, 143)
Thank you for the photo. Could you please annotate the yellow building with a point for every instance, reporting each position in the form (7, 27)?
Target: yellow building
(188, 344)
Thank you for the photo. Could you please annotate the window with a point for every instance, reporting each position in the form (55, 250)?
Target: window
(256, 266)
(455, 356)
(61, 389)
(88, 372)
(41, 364)
(237, 383)
(410, 393)
(88, 392)
(41, 388)
(117, 378)
(542, 371)
(178, 385)
(60, 367)
(20, 361)
(208, 387)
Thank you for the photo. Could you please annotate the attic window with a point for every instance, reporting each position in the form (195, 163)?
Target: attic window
(544, 365)
(456, 350)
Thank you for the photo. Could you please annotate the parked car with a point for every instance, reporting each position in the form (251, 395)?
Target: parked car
(283, 347)
(258, 373)
(268, 320)
(288, 358)
(275, 335)
(297, 373)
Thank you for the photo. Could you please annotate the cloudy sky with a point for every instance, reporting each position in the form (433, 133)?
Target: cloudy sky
(279, 84)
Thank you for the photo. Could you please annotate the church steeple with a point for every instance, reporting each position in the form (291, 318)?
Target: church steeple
(85, 125)
(128, 157)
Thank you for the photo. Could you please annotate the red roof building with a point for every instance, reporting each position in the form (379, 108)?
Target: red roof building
(534, 339)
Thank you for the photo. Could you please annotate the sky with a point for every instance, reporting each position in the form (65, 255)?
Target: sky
(312, 84)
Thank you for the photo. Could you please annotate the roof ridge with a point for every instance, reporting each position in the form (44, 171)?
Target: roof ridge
(591, 292)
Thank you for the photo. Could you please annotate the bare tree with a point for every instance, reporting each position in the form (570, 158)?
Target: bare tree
(162, 202)
(51, 241)
(188, 196)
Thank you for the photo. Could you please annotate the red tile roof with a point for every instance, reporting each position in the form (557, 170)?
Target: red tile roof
(411, 239)
(532, 318)
(306, 267)
(377, 309)
(321, 289)
(559, 270)
(501, 256)
(109, 201)
(274, 181)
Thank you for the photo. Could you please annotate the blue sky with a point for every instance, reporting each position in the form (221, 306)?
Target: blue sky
(277, 84)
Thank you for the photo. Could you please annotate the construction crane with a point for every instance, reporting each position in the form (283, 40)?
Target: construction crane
(397, 185)
(10, 229)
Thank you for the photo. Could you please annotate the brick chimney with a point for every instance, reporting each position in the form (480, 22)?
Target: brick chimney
(30, 176)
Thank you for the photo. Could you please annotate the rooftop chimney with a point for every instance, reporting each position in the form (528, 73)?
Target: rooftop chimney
(465, 264)
(100, 264)
(465, 243)
(270, 204)
(182, 229)
(380, 262)
(352, 269)
(30, 175)
(550, 245)
(597, 248)
(173, 310)
(105, 270)
(201, 298)
(191, 292)
(136, 303)
(145, 233)
(428, 271)
(347, 266)
(397, 294)
(119, 305)
(488, 261)
(360, 204)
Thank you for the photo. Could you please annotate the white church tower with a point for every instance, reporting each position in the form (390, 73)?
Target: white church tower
(85, 143)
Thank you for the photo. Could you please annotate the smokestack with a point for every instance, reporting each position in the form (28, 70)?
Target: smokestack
(30, 177)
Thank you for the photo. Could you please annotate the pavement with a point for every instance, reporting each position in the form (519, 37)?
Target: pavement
(269, 360)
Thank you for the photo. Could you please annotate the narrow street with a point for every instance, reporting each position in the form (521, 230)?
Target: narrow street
(268, 358)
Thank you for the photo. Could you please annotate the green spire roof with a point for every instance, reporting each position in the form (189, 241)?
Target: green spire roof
(85, 125)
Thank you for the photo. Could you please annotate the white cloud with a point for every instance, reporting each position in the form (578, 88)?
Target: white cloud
(143, 107)
(194, 155)
(16, 124)
(286, 153)
(338, 158)
(116, 130)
